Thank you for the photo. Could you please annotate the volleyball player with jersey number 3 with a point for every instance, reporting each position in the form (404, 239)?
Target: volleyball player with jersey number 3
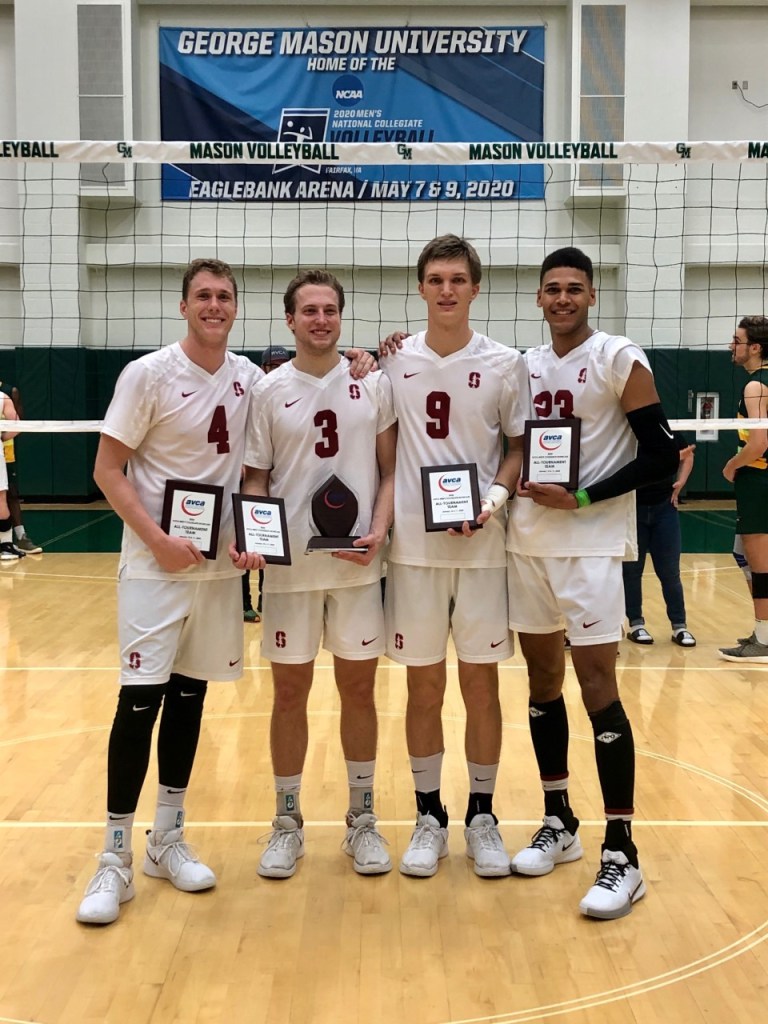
(565, 555)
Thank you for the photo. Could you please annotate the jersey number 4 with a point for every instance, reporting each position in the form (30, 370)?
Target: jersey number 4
(217, 431)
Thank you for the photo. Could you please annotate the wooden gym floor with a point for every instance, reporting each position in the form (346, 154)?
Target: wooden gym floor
(331, 946)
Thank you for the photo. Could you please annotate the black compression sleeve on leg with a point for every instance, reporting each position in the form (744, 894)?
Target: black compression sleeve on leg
(180, 730)
(760, 584)
(658, 455)
(548, 723)
(615, 756)
(130, 742)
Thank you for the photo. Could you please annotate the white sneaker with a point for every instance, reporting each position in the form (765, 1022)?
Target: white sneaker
(428, 845)
(618, 885)
(168, 856)
(486, 847)
(110, 886)
(285, 844)
(366, 845)
(552, 844)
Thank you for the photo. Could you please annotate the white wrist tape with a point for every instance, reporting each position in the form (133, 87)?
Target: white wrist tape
(496, 498)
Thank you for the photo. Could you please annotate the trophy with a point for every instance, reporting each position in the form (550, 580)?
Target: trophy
(334, 514)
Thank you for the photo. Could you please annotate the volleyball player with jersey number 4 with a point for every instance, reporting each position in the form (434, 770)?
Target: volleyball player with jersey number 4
(565, 555)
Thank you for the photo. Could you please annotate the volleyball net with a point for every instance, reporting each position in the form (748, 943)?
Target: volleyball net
(94, 238)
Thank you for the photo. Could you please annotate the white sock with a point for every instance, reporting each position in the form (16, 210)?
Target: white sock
(118, 835)
(360, 777)
(761, 631)
(287, 795)
(20, 532)
(426, 772)
(169, 813)
(482, 777)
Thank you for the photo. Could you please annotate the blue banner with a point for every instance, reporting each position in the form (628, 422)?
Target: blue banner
(400, 85)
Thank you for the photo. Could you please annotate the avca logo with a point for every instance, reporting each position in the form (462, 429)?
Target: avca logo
(450, 484)
(348, 91)
(550, 441)
(262, 516)
(192, 506)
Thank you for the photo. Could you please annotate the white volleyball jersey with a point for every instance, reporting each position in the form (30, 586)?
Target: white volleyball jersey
(183, 424)
(451, 410)
(305, 429)
(588, 383)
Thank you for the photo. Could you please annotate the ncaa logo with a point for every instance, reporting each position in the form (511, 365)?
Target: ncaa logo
(550, 441)
(262, 516)
(449, 484)
(192, 506)
(348, 91)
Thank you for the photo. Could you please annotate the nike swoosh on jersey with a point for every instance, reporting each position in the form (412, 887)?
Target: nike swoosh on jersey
(407, 375)
(234, 662)
(588, 625)
(535, 376)
(289, 404)
(497, 644)
(668, 433)
(366, 642)
(186, 394)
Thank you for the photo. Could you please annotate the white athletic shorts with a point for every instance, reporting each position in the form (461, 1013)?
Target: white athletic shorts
(3, 470)
(348, 621)
(193, 627)
(423, 604)
(584, 596)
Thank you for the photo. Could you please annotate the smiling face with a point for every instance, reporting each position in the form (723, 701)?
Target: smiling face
(565, 297)
(448, 291)
(210, 309)
(316, 319)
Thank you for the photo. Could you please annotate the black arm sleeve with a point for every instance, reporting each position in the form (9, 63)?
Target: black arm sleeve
(657, 455)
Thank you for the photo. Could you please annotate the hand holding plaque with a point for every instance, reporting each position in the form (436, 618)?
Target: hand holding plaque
(260, 527)
(451, 497)
(334, 514)
(192, 511)
(551, 452)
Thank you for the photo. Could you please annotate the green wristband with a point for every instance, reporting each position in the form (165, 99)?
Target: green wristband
(582, 499)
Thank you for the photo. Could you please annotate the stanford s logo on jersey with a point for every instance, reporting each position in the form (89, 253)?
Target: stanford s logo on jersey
(582, 378)
(280, 638)
(134, 660)
(354, 390)
(238, 388)
(473, 380)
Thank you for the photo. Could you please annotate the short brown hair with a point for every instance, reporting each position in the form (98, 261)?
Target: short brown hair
(450, 247)
(319, 277)
(216, 267)
(756, 330)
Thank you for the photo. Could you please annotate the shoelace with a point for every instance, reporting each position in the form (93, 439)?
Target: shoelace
(488, 837)
(280, 838)
(424, 836)
(178, 853)
(610, 875)
(104, 880)
(546, 837)
(365, 835)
